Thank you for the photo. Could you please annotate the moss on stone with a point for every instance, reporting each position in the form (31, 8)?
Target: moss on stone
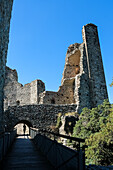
(72, 114)
(59, 122)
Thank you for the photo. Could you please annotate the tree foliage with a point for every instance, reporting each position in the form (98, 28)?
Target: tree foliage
(100, 145)
(96, 126)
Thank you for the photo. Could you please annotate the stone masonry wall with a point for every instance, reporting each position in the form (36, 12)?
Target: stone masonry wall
(37, 87)
(23, 94)
(39, 116)
(5, 15)
(72, 63)
(82, 95)
(17, 94)
(10, 88)
(63, 96)
(97, 83)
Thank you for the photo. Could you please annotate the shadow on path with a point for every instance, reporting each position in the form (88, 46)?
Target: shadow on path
(25, 156)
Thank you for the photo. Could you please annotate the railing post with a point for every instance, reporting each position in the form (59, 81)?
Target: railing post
(29, 131)
(4, 144)
(81, 159)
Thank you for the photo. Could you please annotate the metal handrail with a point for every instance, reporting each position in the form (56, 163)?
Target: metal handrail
(76, 153)
(7, 138)
(64, 136)
(9, 131)
(60, 135)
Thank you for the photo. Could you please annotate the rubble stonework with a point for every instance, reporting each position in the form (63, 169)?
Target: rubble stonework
(83, 82)
(41, 116)
(5, 15)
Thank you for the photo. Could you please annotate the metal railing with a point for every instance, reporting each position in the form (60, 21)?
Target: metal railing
(60, 156)
(6, 139)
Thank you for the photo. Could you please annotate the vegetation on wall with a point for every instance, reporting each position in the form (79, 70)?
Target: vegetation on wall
(96, 126)
(111, 83)
(59, 123)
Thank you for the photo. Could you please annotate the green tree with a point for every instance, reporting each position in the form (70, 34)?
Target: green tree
(96, 126)
(91, 120)
(100, 145)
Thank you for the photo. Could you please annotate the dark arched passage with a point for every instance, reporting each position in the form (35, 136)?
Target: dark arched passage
(23, 127)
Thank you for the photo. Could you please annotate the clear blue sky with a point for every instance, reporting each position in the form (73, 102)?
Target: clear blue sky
(42, 30)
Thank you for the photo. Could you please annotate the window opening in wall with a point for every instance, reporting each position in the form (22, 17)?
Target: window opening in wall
(73, 86)
(77, 69)
(18, 102)
(53, 101)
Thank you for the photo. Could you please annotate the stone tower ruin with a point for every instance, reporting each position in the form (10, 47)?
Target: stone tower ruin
(84, 69)
(83, 82)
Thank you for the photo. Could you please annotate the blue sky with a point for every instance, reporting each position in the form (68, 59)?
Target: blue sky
(42, 30)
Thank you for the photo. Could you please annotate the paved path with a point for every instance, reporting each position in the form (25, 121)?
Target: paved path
(25, 156)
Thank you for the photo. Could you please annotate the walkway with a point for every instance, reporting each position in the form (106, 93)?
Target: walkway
(25, 156)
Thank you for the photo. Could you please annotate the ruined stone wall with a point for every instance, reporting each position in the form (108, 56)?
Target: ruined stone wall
(48, 97)
(17, 94)
(84, 65)
(10, 88)
(63, 96)
(5, 15)
(23, 94)
(83, 82)
(72, 63)
(40, 116)
(81, 93)
(37, 87)
(34, 92)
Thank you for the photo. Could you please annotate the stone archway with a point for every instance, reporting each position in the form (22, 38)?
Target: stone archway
(19, 126)
(28, 123)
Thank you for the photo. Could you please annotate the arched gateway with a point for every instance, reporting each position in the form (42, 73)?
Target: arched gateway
(23, 127)
(28, 123)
